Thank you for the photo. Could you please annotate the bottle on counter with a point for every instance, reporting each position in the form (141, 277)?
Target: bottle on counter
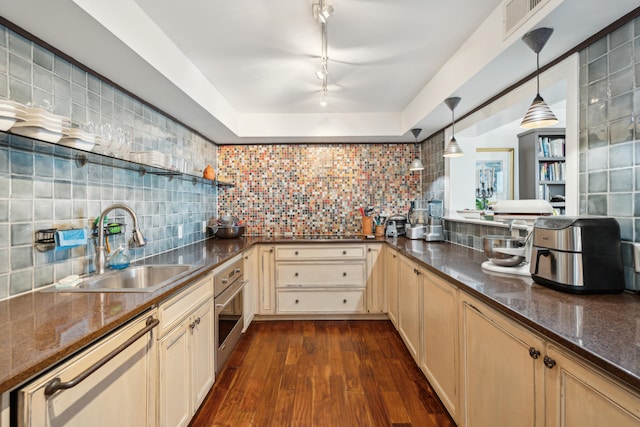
(120, 259)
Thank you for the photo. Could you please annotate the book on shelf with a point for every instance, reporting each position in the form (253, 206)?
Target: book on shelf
(550, 146)
(552, 171)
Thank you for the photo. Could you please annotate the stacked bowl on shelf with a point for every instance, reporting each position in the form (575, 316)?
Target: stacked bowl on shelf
(39, 123)
(10, 113)
(77, 138)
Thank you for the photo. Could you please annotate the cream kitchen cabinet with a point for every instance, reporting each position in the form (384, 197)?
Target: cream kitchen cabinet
(440, 355)
(410, 305)
(4, 410)
(186, 352)
(320, 278)
(580, 395)
(251, 290)
(391, 259)
(376, 295)
(502, 374)
(266, 303)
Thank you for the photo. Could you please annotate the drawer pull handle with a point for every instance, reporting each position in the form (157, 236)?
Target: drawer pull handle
(549, 362)
(57, 384)
(534, 353)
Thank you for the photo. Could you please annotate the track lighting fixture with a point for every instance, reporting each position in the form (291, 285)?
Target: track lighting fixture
(322, 12)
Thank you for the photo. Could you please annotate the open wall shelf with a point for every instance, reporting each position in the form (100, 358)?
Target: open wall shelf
(81, 158)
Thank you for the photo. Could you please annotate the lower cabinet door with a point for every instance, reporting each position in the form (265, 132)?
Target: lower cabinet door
(440, 361)
(391, 281)
(316, 301)
(174, 364)
(502, 384)
(202, 353)
(409, 306)
(579, 396)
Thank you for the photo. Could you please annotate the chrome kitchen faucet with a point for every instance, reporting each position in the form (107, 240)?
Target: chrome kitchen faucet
(138, 237)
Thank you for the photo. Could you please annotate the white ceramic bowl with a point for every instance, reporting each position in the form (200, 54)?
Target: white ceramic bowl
(77, 143)
(37, 133)
(7, 122)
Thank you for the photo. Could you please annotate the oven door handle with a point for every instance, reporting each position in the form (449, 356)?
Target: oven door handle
(237, 291)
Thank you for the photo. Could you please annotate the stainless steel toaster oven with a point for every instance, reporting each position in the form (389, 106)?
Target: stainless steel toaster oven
(577, 254)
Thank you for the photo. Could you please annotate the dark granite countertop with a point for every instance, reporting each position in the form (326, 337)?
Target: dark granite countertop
(40, 329)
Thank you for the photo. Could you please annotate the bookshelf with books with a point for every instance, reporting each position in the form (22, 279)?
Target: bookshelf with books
(541, 164)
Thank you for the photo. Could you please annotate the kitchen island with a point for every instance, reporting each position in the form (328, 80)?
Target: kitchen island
(40, 329)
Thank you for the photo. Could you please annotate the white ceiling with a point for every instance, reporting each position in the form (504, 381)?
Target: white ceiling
(244, 71)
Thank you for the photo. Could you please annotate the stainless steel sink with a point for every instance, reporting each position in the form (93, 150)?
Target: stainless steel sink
(139, 278)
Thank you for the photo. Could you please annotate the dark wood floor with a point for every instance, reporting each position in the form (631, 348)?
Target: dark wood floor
(321, 373)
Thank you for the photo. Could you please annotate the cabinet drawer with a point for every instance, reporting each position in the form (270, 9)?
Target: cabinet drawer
(320, 274)
(351, 301)
(173, 310)
(319, 252)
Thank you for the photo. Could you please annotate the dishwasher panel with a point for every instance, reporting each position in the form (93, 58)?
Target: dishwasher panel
(109, 384)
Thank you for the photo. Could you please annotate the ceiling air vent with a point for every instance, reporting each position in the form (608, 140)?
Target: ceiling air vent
(516, 13)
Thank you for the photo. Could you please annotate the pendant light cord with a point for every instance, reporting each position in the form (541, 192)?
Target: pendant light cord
(537, 72)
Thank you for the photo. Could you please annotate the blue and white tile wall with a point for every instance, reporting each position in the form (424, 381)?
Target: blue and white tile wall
(610, 133)
(39, 189)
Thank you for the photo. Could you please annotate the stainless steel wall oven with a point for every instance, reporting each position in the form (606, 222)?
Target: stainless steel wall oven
(228, 298)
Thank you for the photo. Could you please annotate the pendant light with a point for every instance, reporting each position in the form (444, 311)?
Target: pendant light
(539, 114)
(452, 149)
(416, 164)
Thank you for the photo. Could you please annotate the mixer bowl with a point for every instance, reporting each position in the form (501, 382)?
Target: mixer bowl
(491, 243)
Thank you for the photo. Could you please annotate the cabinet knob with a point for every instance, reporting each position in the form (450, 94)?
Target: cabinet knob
(368, 249)
(271, 250)
(198, 321)
(344, 274)
(534, 353)
(295, 253)
(297, 301)
(344, 301)
(295, 274)
(344, 252)
(549, 362)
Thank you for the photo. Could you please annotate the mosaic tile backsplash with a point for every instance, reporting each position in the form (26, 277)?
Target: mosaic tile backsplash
(315, 189)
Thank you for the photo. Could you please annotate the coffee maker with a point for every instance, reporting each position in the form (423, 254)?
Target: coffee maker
(434, 231)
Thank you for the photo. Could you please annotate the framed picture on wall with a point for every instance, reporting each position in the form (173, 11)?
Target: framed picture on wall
(494, 174)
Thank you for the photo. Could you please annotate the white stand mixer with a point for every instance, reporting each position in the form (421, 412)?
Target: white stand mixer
(514, 211)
